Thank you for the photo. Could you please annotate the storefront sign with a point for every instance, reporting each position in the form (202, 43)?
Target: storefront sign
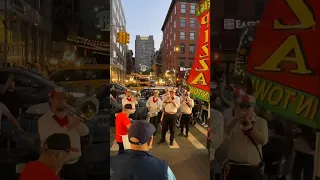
(199, 77)
(230, 24)
(284, 60)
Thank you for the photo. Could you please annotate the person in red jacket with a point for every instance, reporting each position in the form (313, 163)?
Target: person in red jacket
(53, 155)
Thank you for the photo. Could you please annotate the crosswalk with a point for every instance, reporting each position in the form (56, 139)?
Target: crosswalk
(197, 139)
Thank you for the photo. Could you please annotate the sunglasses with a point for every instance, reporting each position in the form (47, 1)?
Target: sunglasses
(245, 106)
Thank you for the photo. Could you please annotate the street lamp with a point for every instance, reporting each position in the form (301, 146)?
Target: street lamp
(176, 49)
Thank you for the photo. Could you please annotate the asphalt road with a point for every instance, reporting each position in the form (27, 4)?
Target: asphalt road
(187, 158)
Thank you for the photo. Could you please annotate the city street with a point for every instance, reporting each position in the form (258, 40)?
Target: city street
(187, 158)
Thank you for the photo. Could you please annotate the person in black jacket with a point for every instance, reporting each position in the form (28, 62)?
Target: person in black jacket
(11, 98)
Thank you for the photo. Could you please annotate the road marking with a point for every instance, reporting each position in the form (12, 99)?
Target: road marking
(175, 144)
(201, 129)
(115, 146)
(195, 142)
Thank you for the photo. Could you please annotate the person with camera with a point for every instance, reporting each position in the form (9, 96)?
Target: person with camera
(186, 109)
(248, 133)
(154, 105)
(59, 120)
(171, 105)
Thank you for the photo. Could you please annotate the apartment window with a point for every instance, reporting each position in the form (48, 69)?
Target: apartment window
(171, 18)
(175, 9)
(192, 23)
(182, 60)
(170, 42)
(174, 24)
(182, 35)
(192, 35)
(174, 36)
(170, 31)
(231, 7)
(182, 49)
(183, 8)
(183, 22)
(191, 62)
(192, 8)
(191, 48)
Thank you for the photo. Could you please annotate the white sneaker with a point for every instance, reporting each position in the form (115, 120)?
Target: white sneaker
(202, 124)
(205, 125)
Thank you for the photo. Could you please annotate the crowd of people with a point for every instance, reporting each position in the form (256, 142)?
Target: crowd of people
(249, 142)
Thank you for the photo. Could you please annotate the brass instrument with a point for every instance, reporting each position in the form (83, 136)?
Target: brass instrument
(85, 110)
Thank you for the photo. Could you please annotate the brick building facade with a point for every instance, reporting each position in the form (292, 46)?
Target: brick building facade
(180, 35)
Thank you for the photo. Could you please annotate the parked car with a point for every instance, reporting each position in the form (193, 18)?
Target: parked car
(31, 86)
(119, 88)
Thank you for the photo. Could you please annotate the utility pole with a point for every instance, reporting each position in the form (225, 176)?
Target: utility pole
(5, 33)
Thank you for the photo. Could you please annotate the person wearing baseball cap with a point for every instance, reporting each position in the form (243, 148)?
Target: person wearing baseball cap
(171, 105)
(59, 120)
(154, 105)
(122, 125)
(54, 153)
(138, 162)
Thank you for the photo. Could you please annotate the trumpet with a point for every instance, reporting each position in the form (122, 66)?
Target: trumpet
(245, 124)
(86, 110)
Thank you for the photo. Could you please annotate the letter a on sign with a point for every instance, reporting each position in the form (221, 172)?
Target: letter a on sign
(285, 49)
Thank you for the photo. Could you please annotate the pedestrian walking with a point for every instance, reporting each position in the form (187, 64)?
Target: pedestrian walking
(59, 120)
(154, 105)
(122, 125)
(171, 105)
(53, 155)
(138, 162)
(186, 110)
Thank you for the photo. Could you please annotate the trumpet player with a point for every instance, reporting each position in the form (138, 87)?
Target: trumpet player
(248, 133)
(186, 109)
(154, 105)
(129, 99)
(57, 120)
(171, 105)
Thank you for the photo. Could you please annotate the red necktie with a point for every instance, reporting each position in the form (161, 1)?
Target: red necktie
(129, 99)
(155, 100)
(61, 121)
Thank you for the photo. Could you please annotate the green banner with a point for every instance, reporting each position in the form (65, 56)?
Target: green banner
(290, 103)
(199, 93)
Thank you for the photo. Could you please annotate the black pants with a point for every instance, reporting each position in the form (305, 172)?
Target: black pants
(302, 163)
(184, 122)
(121, 148)
(76, 171)
(155, 122)
(204, 116)
(243, 172)
(169, 122)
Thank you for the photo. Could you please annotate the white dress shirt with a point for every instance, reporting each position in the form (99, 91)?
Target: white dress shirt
(185, 108)
(216, 131)
(47, 126)
(242, 149)
(154, 106)
(133, 102)
(169, 107)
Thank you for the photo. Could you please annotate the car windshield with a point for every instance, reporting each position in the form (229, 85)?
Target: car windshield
(42, 79)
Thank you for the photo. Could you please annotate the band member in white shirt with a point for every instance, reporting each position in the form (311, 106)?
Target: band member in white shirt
(186, 109)
(154, 105)
(58, 120)
(171, 104)
(166, 93)
(248, 133)
(129, 99)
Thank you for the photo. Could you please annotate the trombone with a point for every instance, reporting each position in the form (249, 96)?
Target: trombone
(86, 110)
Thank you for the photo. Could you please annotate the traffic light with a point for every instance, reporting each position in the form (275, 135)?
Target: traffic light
(121, 37)
(127, 38)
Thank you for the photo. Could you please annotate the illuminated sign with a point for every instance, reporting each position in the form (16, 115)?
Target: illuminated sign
(199, 76)
(284, 60)
(230, 24)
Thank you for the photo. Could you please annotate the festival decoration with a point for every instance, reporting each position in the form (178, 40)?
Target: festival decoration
(199, 75)
(284, 60)
(90, 44)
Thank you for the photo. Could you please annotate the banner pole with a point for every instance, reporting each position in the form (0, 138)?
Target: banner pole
(317, 157)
